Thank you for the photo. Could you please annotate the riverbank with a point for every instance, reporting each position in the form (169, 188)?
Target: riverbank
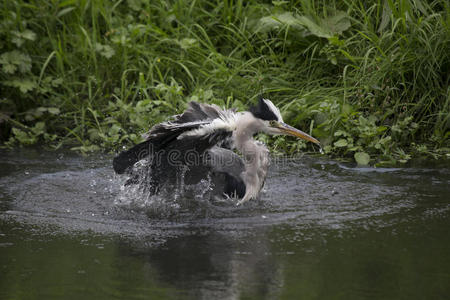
(368, 79)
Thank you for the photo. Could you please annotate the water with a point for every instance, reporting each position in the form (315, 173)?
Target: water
(321, 230)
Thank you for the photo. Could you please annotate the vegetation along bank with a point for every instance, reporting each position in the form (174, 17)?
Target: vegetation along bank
(370, 79)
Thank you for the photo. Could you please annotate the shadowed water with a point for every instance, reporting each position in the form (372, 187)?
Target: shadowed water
(321, 230)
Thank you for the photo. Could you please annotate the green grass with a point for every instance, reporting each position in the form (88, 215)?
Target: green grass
(370, 79)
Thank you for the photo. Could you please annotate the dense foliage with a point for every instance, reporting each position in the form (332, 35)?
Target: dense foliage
(370, 79)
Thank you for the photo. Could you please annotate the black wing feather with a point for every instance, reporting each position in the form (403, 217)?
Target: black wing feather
(162, 135)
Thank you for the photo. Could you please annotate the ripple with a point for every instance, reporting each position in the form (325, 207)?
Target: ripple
(84, 194)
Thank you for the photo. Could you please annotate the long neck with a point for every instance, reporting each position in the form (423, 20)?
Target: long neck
(246, 126)
(255, 154)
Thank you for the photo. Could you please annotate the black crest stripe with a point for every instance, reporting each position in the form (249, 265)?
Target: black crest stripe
(263, 111)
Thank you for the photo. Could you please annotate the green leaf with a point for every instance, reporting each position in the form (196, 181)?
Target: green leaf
(386, 16)
(340, 132)
(67, 2)
(53, 110)
(20, 37)
(275, 22)
(9, 68)
(279, 3)
(39, 128)
(336, 24)
(362, 158)
(23, 137)
(105, 50)
(17, 60)
(266, 24)
(93, 134)
(18, 41)
(57, 82)
(327, 149)
(346, 109)
(64, 11)
(187, 43)
(333, 60)
(108, 51)
(134, 5)
(289, 19)
(25, 85)
(29, 35)
(328, 27)
(313, 27)
(355, 148)
(341, 143)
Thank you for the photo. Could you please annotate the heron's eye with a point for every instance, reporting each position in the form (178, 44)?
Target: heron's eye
(272, 123)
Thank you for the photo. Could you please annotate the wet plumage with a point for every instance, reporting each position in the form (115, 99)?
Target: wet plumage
(200, 144)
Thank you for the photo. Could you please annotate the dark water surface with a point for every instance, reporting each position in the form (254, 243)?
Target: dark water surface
(322, 230)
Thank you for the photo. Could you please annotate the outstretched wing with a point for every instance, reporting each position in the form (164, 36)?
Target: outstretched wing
(158, 138)
(199, 127)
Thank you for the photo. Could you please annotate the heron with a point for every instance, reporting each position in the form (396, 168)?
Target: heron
(208, 142)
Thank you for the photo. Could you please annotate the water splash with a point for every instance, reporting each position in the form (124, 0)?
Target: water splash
(170, 199)
(83, 193)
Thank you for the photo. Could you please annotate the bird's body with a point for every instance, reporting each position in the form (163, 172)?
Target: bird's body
(200, 143)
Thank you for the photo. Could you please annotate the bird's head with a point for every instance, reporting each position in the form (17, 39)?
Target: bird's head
(272, 122)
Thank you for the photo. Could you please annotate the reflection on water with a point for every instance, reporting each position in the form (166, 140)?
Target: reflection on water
(320, 230)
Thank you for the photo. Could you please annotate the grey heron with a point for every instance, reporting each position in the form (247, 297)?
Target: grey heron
(203, 142)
